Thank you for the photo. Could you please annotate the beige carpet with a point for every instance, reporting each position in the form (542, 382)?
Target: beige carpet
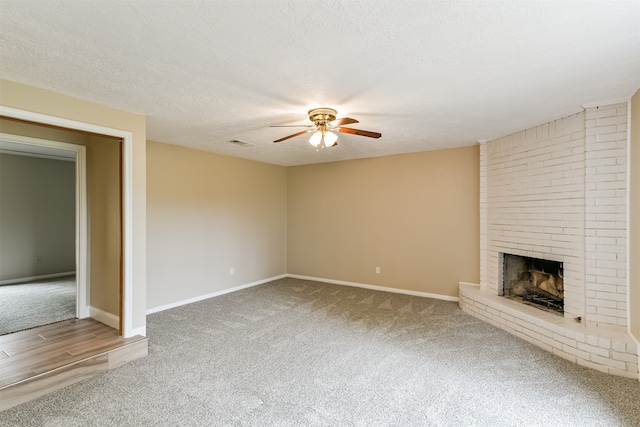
(299, 353)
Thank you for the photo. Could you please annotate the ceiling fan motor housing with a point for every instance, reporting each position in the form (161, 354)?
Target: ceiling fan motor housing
(322, 116)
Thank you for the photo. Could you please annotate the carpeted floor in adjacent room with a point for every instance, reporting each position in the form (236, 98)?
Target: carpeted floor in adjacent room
(299, 353)
(36, 303)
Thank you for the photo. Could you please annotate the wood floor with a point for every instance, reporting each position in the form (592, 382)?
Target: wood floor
(40, 360)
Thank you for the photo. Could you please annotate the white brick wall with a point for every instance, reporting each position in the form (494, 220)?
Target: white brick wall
(559, 192)
(535, 202)
(605, 214)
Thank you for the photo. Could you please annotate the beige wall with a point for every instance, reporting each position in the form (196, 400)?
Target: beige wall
(415, 216)
(37, 216)
(103, 199)
(634, 217)
(208, 213)
(36, 100)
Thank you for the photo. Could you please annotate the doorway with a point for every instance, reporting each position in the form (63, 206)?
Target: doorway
(43, 232)
(126, 145)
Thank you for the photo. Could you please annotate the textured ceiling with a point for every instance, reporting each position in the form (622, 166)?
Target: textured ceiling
(426, 74)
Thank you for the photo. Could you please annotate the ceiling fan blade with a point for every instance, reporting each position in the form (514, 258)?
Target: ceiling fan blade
(343, 121)
(360, 132)
(291, 136)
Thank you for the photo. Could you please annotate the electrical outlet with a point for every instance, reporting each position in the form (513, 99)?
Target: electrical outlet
(38, 260)
(232, 271)
(377, 270)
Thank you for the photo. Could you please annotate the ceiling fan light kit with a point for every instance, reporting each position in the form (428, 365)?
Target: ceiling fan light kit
(322, 139)
(325, 123)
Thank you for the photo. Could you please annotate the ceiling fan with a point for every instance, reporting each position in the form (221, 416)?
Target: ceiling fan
(323, 128)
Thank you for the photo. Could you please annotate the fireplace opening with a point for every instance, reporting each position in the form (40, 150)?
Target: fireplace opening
(533, 281)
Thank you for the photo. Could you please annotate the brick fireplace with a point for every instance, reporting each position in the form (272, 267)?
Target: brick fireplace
(558, 192)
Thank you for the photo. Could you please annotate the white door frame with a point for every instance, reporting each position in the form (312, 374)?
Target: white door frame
(127, 196)
(81, 249)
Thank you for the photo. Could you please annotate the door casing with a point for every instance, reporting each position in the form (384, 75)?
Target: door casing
(126, 312)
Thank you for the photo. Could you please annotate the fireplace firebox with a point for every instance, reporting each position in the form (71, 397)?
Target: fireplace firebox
(533, 281)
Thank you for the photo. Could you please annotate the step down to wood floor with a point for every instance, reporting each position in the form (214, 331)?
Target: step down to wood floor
(41, 360)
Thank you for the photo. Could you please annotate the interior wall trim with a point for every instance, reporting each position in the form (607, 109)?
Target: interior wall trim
(629, 234)
(102, 316)
(297, 276)
(376, 287)
(32, 278)
(142, 331)
(212, 294)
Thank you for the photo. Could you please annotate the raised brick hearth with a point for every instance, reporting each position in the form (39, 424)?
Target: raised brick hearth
(559, 192)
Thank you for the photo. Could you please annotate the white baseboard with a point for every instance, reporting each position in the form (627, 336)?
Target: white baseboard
(295, 276)
(103, 317)
(477, 285)
(213, 294)
(142, 330)
(376, 288)
(31, 278)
